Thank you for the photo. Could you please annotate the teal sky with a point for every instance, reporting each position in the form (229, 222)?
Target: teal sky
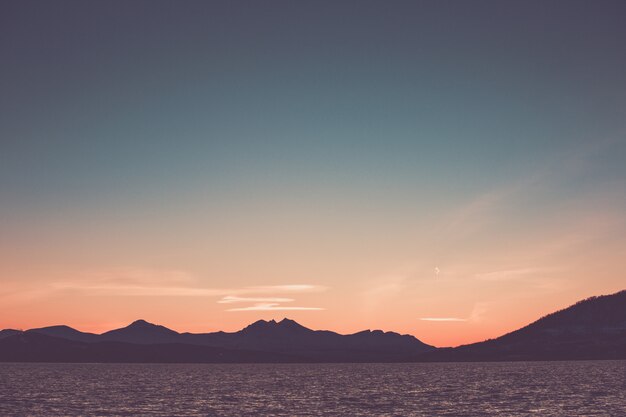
(339, 139)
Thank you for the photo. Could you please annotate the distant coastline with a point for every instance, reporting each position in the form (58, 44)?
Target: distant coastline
(594, 328)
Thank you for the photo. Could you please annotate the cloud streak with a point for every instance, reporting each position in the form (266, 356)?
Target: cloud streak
(286, 288)
(508, 274)
(138, 282)
(274, 307)
(476, 315)
(443, 319)
(234, 299)
(114, 288)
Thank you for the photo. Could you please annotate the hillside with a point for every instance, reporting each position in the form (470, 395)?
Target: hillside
(594, 328)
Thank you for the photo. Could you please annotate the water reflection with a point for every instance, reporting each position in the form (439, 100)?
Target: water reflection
(446, 389)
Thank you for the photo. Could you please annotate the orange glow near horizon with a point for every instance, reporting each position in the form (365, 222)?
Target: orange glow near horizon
(444, 305)
(450, 279)
(449, 270)
(449, 171)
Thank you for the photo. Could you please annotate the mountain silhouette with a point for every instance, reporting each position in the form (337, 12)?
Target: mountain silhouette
(66, 332)
(285, 340)
(594, 328)
(8, 332)
(272, 327)
(140, 331)
(288, 336)
(38, 347)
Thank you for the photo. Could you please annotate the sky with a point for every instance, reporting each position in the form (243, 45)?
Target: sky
(449, 169)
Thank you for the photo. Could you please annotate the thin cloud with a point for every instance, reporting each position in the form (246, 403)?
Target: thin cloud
(386, 287)
(508, 274)
(145, 289)
(137, 282)
(274, 307)
(138, 290)
(135, 277)
(234, 299)
(271, 303)
(441, 319)
(287, 288)
(474, 214)
(485, 208)
(478, 311)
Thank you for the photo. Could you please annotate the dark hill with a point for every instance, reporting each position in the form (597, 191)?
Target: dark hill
(285, 338)
(36, 347)
(8, 332)
(594, 328)
(142, 332)
(66, 332)
(288, 336)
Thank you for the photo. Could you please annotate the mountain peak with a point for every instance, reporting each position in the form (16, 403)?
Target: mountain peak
(291, 324)
(273, 325)
(145, 326)
(141, 323)
(141, 331)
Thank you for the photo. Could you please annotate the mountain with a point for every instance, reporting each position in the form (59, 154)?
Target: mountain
(8, 332)
(282, 341)
(288, 336)
(37, 347)
(66, 332)
(285, 337)
(594, 328)
(142, 332)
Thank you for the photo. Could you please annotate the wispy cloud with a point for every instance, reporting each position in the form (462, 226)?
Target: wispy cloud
(287, 288)
(234, 299)
(17, 294)
(271, 303)
(474, 214)
(476, 315)
(135, 276)
(172, 291)
(138, 282)
(274, 307)
(509, 274)
(478, 312)
(384, 288)
(138, 290)
(496, 204)
(441, 319)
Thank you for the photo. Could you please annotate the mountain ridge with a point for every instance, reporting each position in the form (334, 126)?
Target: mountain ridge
(593, 328)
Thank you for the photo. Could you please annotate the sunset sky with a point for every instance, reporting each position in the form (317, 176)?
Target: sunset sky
(452, 170)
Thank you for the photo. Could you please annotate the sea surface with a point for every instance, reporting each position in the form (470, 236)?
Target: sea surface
(587, 388)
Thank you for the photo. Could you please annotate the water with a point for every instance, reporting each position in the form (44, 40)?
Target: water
(591, 388)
